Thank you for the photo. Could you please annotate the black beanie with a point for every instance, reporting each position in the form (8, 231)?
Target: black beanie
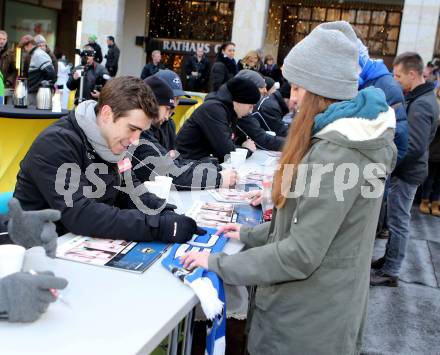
(243, 91)
(269, 82)
(285, 90)
(164, 94)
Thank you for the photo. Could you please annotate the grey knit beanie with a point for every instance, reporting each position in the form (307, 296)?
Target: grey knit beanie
(253, 76)
(325, 62)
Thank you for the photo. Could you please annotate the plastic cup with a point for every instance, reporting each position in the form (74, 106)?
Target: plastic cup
(243, 152)
(155, 188)
(236, 159)
(11, 259)
(165, 182)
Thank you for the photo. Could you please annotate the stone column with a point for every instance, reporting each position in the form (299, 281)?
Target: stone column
(249, 25)
(102, 18)
(419, 27)
(133, 57)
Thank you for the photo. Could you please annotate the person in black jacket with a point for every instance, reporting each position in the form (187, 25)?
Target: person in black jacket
(212, 128)
(79, 166)
(249, 126)
(197, 70)
(152, 68)
(95, 76)
(271, 69)
(270, 110)
(225, 66)
(152, 158)
(422, 112)
(40, 67)
(112, 56)
(96, 47)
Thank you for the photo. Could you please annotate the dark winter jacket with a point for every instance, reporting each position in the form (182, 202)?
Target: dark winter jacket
(7, 66)
(249, 127)
(94, 76)
(107, 212)
(273, 72)
(202, 67)
(434, 148)
(151, 159)
(150, 69)
(167, 135)
(98, 51)
(222, 70)
(270, 112)
(394, 96)
(40, 69)
(112, 57)
(423, 111)
(211, 129)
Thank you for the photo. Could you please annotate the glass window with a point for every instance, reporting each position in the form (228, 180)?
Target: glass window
(394, 18)
(378, 17)
(363, 16)
(305, 13)
(319, 13)
(349, 15)
(333, 14)
(302, 27)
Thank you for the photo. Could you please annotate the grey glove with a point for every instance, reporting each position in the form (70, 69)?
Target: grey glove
(33, 228)
(24, 297)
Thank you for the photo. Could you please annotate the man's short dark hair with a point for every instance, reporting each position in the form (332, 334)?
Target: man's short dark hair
(410, 61)
(111, 38)
(127, 93)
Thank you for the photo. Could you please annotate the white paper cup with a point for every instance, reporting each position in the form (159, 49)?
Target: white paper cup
(165, 182)
(11, 259)
(243, 152)
(237, 159)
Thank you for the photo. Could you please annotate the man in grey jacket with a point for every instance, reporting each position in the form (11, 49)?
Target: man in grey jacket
(422, 110)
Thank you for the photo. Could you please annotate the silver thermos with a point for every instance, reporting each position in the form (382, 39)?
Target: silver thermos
(21, 93)
(44, 96)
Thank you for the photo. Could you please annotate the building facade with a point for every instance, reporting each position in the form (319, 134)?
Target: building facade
(178, 27)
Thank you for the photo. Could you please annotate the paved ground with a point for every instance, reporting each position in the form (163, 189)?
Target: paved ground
(406, 320)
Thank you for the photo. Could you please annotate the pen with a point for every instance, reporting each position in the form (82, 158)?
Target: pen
(54, 292)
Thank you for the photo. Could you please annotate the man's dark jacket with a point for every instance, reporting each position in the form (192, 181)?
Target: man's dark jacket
(211, 129)
(249, 127)
(151, 156)
(270, 112)
(150, 69)
(222, 70)
(422, 110)
(94, 76)
(112, 215)
(112, 57)
(202, 67)
(7, 66)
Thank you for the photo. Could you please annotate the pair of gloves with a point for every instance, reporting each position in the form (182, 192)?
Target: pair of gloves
(176, 228)
(24, 296)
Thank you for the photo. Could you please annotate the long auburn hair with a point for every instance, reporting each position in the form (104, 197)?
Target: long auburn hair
(297, 144)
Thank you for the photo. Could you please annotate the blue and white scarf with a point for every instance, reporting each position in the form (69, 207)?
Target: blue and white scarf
(206, 284)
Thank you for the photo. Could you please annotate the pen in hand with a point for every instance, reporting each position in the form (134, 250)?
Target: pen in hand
(54, 292)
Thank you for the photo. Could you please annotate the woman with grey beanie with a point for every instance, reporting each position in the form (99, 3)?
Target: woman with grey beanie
(311, 263)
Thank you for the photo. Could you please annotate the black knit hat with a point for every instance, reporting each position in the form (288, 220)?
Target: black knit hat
(269, 82)
(243, 91)
(285, 90)
(164, 94)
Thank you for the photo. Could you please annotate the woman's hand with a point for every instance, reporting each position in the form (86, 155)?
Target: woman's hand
(195, 259)
(230, 230)
(256, 196)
